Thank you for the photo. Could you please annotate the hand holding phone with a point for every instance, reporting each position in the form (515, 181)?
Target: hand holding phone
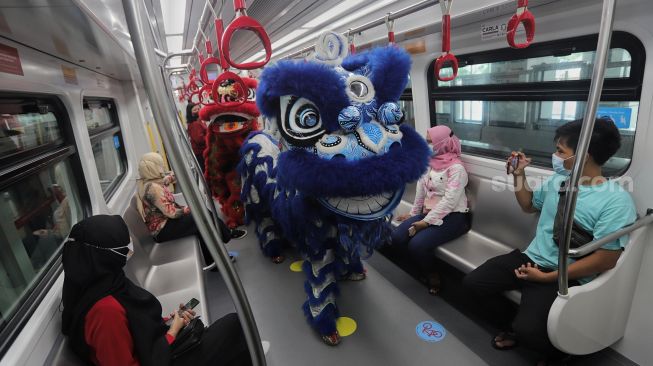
(412, 231)
(190, 305)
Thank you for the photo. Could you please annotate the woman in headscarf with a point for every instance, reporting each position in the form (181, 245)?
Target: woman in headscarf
(196, 132)
(440, 212)
(110, 321)
(165, 219)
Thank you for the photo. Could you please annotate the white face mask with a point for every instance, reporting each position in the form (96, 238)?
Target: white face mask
(127, 256)
(558, 164)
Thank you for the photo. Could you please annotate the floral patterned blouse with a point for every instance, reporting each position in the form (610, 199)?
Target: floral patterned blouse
(158, 206)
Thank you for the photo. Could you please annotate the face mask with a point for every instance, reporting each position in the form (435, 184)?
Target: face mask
(127, 256)
(559, 164)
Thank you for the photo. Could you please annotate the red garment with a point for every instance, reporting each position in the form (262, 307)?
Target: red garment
(197, 133)
(106, 332)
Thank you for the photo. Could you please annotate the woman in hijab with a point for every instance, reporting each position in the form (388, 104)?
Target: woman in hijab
(440, 212)
(165, 219)
(111, 321)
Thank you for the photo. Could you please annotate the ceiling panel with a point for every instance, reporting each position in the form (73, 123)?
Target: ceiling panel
(73, 37)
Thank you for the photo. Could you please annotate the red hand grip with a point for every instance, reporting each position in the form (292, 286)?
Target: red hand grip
(440, 64)
(239, 5)
(219, 31)
(526, 18)
(238, 85)
(391, 37)
(209, 48)
(250, 24)
(208, 88)
(446, 33)
(192, 95)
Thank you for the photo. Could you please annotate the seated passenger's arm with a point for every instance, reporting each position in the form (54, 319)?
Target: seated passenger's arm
(456, 183)
(168, 207)
(523, 192)
(419, 197)
(107, 334)
(597, 262)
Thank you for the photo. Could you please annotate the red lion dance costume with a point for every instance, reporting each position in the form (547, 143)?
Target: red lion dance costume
(228, 128)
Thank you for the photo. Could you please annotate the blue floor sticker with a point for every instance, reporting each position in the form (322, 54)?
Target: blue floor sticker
(430, 331)
(233, 253)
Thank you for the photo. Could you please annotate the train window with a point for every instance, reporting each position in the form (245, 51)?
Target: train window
(505, 100)
(37, 214)
(406, 103)
(41, 197)
(108, 149)
(27, 126)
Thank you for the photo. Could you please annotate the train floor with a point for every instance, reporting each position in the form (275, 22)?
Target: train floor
(387, 308)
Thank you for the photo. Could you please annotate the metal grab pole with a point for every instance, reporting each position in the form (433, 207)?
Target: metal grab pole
(164, 118)
(598, 73)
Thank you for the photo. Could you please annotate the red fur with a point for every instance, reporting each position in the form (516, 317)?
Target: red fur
(222, 156)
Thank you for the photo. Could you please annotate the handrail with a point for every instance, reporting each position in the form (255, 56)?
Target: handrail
(375, 23)
(164, 117)
(596, 244)
(598, 74)
(186, 52)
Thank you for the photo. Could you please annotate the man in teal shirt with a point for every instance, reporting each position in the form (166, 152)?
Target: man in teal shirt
(602, 207)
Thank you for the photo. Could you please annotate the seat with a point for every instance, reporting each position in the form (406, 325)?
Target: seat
(594, 316)
(493, 232)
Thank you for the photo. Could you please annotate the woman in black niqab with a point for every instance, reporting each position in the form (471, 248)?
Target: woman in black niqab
(93, 270)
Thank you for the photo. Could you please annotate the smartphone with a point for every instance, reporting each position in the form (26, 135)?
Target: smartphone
(191, 304)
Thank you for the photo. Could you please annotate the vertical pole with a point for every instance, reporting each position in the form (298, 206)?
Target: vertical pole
(165, 118)
(598, 73)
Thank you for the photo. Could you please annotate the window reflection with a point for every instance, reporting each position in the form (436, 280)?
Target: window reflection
(36, 214)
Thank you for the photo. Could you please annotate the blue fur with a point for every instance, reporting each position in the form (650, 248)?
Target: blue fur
(301, 170)
(388, 69)
(325, 323)
(316, 82)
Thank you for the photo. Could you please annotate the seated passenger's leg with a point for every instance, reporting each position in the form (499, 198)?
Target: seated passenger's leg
(223, 343)
(400, 236)
(421, 246)
(489, 280)
(530, 323)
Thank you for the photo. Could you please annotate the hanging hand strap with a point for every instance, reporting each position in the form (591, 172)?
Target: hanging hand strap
(447, 57)
(244, 22)
(525, 17)
(391, 28)
(350, 41)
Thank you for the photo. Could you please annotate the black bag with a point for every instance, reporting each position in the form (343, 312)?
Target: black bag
(579, 236)
(188, 338)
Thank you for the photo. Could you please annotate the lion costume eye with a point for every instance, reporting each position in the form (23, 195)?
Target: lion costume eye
(251, 95)
(300, 124)
(360, 89)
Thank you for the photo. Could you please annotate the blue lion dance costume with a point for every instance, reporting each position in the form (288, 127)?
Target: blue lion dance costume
(330, 166)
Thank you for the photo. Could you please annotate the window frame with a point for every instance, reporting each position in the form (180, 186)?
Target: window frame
(18, 166)
(614, 89)
(100, 133)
